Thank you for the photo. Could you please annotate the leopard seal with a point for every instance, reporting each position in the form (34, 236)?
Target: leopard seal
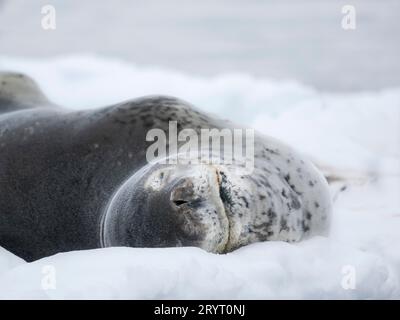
(79, 179)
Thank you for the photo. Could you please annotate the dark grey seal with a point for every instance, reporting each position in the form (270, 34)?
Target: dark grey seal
(73, 180)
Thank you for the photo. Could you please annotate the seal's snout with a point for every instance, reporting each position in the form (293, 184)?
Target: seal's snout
(182, 194)
(195, 199)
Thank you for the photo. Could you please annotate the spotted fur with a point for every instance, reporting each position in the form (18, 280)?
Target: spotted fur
(73, 180)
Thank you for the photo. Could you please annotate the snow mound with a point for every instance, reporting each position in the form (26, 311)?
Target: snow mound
(354, 135)
(262, 270)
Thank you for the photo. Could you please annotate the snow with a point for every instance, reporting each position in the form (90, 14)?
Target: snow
(355, 135)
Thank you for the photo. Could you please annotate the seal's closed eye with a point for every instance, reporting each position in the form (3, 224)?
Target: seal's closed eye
(179, 202)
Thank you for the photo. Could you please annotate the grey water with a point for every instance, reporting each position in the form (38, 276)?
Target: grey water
(300, 40)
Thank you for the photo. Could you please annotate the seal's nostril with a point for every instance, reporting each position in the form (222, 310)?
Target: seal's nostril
(179, 202)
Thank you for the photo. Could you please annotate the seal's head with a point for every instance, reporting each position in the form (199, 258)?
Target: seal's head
(176, 205)
(19, 88)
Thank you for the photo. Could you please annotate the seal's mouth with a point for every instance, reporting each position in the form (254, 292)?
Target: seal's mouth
(226, 199)
(224, 192)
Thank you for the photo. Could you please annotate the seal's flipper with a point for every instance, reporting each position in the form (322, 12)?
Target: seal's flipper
(340, 180)
(18, 91)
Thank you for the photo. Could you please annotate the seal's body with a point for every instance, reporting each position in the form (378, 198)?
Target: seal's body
(72, 180)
